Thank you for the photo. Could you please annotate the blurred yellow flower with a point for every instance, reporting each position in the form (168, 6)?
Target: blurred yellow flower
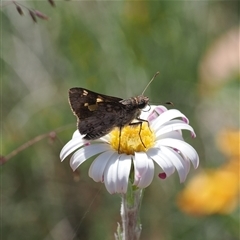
(215, 191)
(229, 142)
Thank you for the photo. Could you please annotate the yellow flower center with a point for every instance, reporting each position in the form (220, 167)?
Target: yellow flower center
(132, 138)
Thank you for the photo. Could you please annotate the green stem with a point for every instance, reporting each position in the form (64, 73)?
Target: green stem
(131, 226)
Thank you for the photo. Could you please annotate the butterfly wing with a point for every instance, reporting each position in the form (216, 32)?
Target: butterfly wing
(103, 119)
(97, 114)
(81, 99)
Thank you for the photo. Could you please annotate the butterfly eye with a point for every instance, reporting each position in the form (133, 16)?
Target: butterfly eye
(142, 105)
(143, 102)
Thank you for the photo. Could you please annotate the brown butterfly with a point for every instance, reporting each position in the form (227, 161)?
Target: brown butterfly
(98, 114)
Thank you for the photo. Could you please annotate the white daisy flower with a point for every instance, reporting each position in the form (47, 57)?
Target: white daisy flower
(132, 156)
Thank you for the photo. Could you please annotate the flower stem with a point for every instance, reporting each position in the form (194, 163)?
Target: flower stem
(131, 226)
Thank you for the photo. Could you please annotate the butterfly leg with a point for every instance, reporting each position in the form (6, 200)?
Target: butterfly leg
(140, 123)
(119, 138)
(143, 120)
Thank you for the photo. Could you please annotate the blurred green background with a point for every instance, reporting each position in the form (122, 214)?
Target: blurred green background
(111, 47)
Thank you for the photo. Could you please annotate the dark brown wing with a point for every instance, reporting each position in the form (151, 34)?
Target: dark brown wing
(82, 100)
(102, 120)
(97, 114)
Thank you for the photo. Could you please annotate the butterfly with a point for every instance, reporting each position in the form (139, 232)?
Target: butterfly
(98, 114)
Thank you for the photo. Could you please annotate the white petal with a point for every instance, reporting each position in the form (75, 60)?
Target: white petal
(174, 134)
(140, 166)
(195, 160)
(186, 149)
(162, 160)
(86, 152)
(110, 173)
(105, 138)
(147, 177)
(96, 170)
(71, 146)
(124, 167)
(179, 163)
(151, 112)
(155, 112)
(173, 126)
(167, 116)
(77, 134)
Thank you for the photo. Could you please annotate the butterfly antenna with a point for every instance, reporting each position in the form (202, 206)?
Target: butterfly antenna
(150, 82)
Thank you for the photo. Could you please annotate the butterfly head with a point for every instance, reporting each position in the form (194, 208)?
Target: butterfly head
(142, 101)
